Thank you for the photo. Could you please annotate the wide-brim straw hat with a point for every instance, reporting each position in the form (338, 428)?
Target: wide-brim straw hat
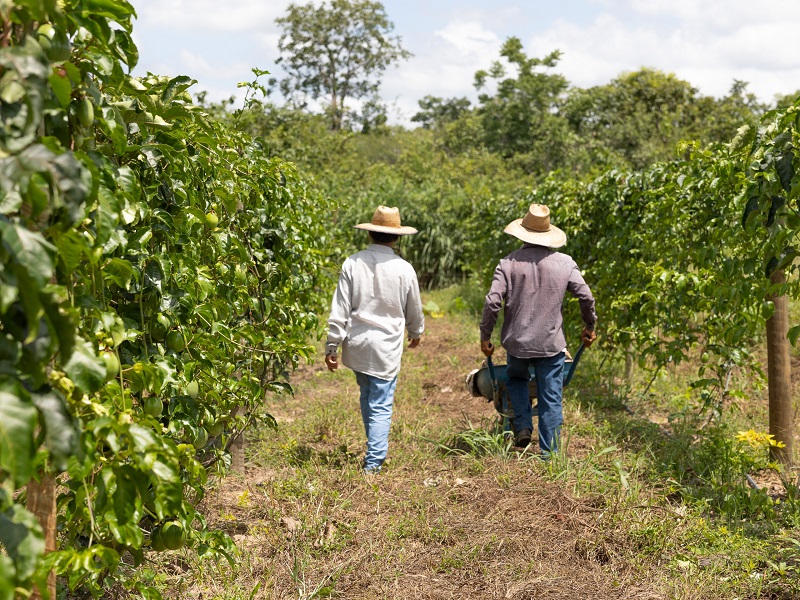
(535, 228)
(387, 220)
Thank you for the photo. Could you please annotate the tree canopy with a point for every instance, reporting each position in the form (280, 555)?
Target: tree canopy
(338, 51)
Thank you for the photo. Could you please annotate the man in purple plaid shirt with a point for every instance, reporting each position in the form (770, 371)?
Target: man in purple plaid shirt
(532, 282)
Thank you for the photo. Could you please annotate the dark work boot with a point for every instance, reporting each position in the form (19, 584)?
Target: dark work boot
(522, 438)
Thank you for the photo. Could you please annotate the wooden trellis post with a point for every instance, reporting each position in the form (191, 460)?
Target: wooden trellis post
(779, 376)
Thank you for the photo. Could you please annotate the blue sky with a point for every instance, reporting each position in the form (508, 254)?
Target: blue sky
(709, 43)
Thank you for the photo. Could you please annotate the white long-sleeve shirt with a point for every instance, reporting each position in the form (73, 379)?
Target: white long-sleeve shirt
(376, 299)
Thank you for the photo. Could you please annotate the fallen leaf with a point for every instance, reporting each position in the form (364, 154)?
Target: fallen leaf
(291, 525)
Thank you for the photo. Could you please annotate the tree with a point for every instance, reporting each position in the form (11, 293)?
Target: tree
(786, 100)
(435, 112)
(338, 51)
(159, 272)
(522, 118)
(641, 116)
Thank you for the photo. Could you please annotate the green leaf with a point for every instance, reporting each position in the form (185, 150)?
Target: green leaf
(61, 435)
(107, 215)
(176, 85)
(38, 195)
(776, 203)
(143, 438)
(62, 89)
(153, 275)
(120, 271)
(17, 426)
(71, 248)
(73, 182)
(785, 168)
(8, 295)
(147, 592)
(85, 368)
(794, 333)
(127, 47)
(30, 250)
(7, 576)
(752, 206)
(22, 536)
(115, 10)
(125, 496)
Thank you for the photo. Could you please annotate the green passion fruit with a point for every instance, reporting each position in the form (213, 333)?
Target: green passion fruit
(216, 428)
(159, 327)
(201, 439)
(85, 112)
(111, 362)
(173, 535)
(153, 406)
(192, 389)
(156, 541)
(176, 341)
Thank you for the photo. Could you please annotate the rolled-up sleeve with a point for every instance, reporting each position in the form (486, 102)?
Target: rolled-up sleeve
(493, 303)
(578, 288)
(340, 311)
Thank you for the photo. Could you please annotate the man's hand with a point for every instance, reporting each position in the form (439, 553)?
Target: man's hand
(487, 348)
(332, 361)
(413, 342)
(588, 336)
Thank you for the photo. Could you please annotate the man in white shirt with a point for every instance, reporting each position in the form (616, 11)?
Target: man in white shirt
(376, 299)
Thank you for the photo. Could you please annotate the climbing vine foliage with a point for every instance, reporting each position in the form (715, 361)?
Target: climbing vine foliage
(158, 274)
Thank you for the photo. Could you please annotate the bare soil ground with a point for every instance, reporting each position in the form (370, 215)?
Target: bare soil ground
(432, 525)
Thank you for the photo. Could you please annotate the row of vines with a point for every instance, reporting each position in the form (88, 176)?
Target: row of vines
(158, 274)
(690, 257)
(687, 259)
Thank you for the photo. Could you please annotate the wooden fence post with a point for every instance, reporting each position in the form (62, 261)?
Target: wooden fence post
(42, 503)
(779, 376)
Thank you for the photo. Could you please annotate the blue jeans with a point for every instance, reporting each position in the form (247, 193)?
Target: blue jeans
(377, 397)
(549, 374)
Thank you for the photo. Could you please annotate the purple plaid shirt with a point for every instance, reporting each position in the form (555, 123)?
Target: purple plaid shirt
(533, 282)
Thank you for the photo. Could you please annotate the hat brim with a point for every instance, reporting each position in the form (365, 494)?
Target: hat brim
(382, 229)
(555, 238)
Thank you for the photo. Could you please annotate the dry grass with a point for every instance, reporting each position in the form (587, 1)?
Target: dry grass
(433, 525)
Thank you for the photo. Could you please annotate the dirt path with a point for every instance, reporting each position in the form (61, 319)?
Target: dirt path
(432, 525)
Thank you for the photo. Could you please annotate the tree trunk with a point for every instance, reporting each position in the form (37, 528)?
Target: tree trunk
(237, 455)
(629, 366)
(42, 503)
(779, 376)
(237, 450)
(336, 122)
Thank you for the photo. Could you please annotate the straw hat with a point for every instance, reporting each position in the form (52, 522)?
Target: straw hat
(535, 228)
(387, 220)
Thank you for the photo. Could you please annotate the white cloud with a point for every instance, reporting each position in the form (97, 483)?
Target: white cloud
(444, 66)
(716, 14)
(708, 43)
(470, 38)
(211, 15)
(689, 42)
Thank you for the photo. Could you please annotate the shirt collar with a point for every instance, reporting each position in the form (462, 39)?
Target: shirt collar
(529, 245)
(380, 248)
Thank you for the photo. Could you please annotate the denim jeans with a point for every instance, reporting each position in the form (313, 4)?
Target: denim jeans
(377, 397)
(549, 373)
